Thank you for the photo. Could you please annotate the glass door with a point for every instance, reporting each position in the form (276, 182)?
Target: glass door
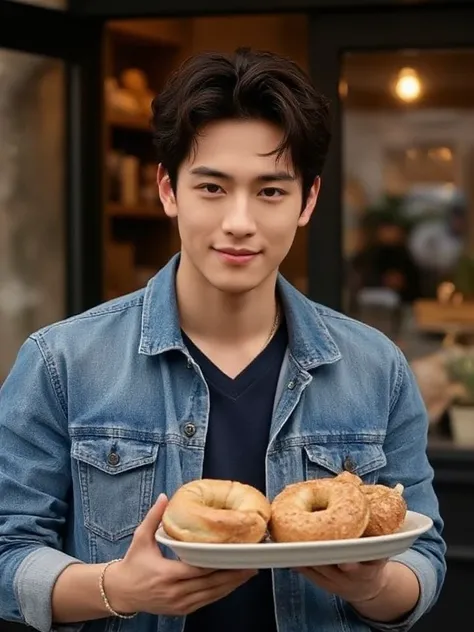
(32, 198)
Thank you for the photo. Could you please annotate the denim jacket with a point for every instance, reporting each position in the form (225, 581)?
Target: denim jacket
(105, 410)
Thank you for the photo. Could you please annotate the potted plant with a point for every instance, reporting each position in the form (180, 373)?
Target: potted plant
(460, 368)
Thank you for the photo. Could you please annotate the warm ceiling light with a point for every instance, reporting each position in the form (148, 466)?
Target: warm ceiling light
(408, 85)
(441, 153)
(343, 89)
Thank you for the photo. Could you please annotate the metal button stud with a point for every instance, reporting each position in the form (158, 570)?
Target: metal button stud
(189, 430)
(291, 385)
(349, 464)
(113, 459)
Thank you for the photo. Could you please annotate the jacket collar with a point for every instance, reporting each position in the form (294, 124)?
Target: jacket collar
(310, 342)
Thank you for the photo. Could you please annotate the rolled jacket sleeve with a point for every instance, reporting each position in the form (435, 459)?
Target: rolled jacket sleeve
(407, 463)
(35, 480)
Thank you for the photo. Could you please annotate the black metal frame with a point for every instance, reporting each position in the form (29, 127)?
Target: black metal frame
(84, 142)
(77, 41)
(23, 27)
(143, 8)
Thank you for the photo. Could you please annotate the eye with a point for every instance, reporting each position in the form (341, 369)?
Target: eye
(272, 192)
(209, 187)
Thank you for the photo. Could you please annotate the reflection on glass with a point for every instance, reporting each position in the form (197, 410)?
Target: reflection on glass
(32, 270)
(408, 150)
(47, 4)
(408, 204)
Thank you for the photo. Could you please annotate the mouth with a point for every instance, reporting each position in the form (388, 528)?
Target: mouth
(239, 256)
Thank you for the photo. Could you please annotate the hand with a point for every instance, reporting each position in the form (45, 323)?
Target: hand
(145, 581)
(355, 583)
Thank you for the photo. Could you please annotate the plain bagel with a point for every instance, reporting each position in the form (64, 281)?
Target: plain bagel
(217, 511)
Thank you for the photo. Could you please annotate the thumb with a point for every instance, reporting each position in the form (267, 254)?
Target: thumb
(349, 567)
(152, 520)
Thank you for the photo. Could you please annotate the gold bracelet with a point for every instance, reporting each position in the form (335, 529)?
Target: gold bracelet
(104, 596)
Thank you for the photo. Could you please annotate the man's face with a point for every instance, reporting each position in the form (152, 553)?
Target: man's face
(237, 209)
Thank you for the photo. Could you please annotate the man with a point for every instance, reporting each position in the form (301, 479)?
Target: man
(219, 368)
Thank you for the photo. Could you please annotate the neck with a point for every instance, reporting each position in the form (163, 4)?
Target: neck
(209, 314)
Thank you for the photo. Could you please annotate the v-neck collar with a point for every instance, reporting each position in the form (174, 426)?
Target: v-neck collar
(257, 368)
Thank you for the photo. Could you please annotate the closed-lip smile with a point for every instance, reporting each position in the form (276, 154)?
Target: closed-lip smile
(237, 252)
(236, 256)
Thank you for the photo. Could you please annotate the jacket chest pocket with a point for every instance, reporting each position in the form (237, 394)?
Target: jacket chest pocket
(116, 479)
(363, 459)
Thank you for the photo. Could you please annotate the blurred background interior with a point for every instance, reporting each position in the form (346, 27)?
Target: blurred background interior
(392, 243)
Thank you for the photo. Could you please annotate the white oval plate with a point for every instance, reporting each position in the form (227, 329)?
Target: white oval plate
(298, 554)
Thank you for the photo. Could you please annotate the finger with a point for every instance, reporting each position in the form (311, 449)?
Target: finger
(217, 578)
(181, 571)
(361, 571)
(319, 579)
(375, 563)
(349, 567)
(331, 573)
(147, 529)
(356, 567)
(208, 595)
(306, 571)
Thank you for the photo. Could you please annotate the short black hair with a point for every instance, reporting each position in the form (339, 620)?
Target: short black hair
(247, 84)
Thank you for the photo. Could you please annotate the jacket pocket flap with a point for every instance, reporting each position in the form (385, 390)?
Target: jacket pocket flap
(358, 458)
(114, 456)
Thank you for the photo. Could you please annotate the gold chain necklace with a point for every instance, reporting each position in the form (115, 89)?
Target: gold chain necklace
(276, 323)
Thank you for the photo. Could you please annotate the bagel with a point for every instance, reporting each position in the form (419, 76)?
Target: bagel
(387, 506)
(321, 509)
(387, 509)
(348, 477)
(217, 511)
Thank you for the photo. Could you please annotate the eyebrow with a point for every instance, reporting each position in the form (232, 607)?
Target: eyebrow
(277, 176)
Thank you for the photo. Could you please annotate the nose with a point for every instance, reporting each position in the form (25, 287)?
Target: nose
(238, 220)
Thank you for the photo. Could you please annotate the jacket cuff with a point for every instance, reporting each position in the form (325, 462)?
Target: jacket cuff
(34, 583)
(427, 580)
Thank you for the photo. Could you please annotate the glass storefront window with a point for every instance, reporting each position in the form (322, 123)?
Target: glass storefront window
(408, 195)
(32, 232)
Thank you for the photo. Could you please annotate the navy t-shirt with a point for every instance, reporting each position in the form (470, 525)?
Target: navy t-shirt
(236, 444)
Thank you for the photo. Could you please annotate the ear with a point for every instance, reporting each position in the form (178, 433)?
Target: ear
(166, 193)
(310, 203)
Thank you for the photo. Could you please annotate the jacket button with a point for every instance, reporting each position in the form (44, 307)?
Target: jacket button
(113, 459)
(291, 385)
(349, 464)
(190, 430)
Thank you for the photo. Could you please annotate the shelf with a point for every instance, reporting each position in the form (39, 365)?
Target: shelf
(171, 33)
(139, 212)
(138, 237)
(126, 121)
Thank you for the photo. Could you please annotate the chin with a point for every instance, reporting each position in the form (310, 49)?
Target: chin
(235, 288)
(233, 285)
